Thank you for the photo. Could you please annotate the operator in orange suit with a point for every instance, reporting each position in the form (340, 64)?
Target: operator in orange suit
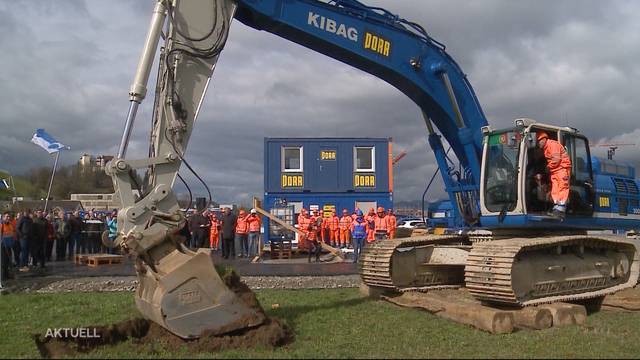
(559, 165)
(393, 223)
(344, 226)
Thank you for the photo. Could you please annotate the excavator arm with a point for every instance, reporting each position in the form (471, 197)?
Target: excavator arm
(180, 289)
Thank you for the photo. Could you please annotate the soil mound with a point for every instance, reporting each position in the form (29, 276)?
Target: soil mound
(69, 342)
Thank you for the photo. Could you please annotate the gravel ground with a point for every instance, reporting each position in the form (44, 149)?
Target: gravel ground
(129, 283)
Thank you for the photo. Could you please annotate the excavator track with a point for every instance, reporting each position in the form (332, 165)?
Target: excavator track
(379, 260)
(531, 271)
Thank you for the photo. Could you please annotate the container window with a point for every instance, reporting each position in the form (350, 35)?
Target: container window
(364, 159)
(292, 159)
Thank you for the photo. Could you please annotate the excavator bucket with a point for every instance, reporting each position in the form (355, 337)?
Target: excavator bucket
(184, 293)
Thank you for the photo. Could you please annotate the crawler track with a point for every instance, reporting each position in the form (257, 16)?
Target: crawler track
(492, 273)
(376, 263)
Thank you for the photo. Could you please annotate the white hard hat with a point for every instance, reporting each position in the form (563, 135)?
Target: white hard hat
(253, 211)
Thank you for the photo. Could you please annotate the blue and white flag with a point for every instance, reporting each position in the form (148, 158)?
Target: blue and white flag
(45, 141)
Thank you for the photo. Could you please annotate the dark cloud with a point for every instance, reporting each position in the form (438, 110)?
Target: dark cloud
(68, 66)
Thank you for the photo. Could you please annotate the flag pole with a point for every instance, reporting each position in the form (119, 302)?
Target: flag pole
(53, 173)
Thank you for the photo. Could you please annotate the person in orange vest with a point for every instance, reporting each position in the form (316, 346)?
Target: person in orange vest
(214, 231)
(309, 227)
(242, 231)
(371, 217)
(559, 165)
(254, 232)
(393, 223)
(302, 219)
(324, 229)
(7, 240)
(343, 228)
(334, 229)
(381, 223)
(319, 220)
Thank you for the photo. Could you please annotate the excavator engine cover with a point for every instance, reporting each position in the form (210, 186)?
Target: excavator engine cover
(186, 295)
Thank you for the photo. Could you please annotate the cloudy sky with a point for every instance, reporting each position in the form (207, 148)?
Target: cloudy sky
(67, 66)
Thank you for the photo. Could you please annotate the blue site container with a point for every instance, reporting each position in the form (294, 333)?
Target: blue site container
(327, 173)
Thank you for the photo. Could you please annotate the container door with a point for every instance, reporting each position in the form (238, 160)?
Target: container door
(366, 205)
(328, 169)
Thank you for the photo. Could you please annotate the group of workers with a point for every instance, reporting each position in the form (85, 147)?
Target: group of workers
(234, 235)
(348, 230)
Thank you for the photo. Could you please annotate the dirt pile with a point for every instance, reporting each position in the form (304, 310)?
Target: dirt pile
(145, 333)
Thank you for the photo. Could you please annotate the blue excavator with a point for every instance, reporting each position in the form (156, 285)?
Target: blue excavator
(510, 252)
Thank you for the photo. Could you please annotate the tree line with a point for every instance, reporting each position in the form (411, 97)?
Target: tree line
(70, 179)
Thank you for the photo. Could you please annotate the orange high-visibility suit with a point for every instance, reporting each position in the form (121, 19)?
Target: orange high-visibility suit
(308, 224)
(334, 228)
(254, 223)
(393, 223)
(324, 228)
(371, 234)
(381, 225)
(302, 226)
(559, 166)
(344, 226)
(242, 225)
(214, 233)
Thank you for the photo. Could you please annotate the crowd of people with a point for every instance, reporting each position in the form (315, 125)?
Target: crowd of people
(351, 230)
(32, 238)
(239, 235)
(235, 235)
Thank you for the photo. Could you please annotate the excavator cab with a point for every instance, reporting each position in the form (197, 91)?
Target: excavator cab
(515, 179)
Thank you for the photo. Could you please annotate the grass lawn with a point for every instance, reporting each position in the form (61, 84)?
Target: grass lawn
(326, 323)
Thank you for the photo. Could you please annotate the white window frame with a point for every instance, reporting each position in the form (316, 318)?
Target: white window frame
(284, 149)
(373, 158)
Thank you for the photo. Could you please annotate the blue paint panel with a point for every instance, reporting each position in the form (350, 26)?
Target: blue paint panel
(604, 222)
(325, 175)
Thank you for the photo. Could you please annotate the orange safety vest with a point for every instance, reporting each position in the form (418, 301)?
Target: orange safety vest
(325, 222)
(381, 224)
(254, 223)
(556, 155)
(334, 223)
(214, 224)
(345, 222)
(242, 225)
(8, 230)
(310, 228)
(391, 219)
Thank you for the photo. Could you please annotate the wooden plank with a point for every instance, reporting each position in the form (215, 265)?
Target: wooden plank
(566, 314)
(301, 234)
(479, 316)
(534, 317)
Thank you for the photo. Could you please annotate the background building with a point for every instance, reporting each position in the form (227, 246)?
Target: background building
(94, 201)
(327, 173)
